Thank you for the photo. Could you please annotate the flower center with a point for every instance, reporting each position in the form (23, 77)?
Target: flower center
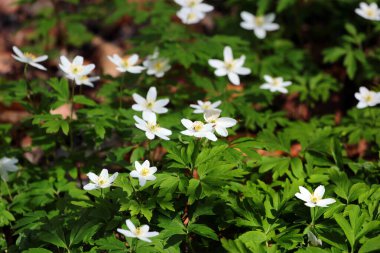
(276, 82)
(138, 231)
(158, 66)
(101, 181)
(314, 199)
(76, 69)
(153, 127)
(370, 13)
(259, 21)
(30, 56)
(197, 126)
(191, 16)
(144, 172)
(368, 98)
(192, 3)
(206, 106)
(149, 105)
(125, 62)
(230, 65)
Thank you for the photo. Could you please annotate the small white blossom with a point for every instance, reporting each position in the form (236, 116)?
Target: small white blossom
(198, 129)
(149, 125)
(230, 66)
(192, 11)
(313, 239)
(75, 70)
(275, 84)
(201, 107)
(150, 104)
(367, 98)
(85, 80)
(368, 11)
(315, 198)
(156, 65)
(29, 58)
(127, 64)
(141, 233)
(143, 172)
(259, 24)
(101, 181)
(7, 165)
(220, 125)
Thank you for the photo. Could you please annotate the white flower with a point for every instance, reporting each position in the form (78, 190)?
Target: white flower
(143, 172)
(201, 107)
(313, 239)
(156, 65)
(198, 129)
(7, 165)
(75, 70)
(192, 11)
(150, 126)
(101, 181)
(29, 58)
(141, 233)
(367, 98)
(259, 24)
(127, 64)
(315, 198)
(275, 84)
(230, 66)
(85, 80)
(220, 125)
(368, 11)
(150, 104)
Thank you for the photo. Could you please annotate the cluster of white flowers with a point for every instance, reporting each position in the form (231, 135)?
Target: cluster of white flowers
(77, 71)
(154, 64)
(144, 173)
(213, 122)
(192, 11)
(367, 98)
(149, 107)
(7, 165)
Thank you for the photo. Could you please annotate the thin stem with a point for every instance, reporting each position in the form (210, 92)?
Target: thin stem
(71, 103)
(9, 192)
(121, 89)
(29, 91)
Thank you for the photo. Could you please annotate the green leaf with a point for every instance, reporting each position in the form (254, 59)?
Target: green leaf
(61, 86)
(80, 99)
(371, 245)
(203, 230)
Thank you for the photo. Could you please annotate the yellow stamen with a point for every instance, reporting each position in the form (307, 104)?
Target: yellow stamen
(197, 126)
(259, 21)
(30, 55)
(144, 172)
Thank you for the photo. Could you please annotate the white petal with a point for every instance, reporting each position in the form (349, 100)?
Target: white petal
(130, 225)
(260, 33)
(243, 71)
(187, 123)
(216, 63)
(226, 122)
(325, 202)
(234, 78)
(36, 65)
(150, 117)
(41, 58)
(134, 173)
(18, 52)
(152, 94)
(227, 53)
(92, 176)
(319, 191)
(90, 186)
(139, 99)
(126, 233)
(220, 72)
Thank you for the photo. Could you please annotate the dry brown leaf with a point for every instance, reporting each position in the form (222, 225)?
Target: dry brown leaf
(65, 111)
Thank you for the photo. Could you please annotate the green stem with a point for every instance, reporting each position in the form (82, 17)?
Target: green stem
(29, 91)
(313, 212)
(9, 192)
(121, 88)
(71, 103)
